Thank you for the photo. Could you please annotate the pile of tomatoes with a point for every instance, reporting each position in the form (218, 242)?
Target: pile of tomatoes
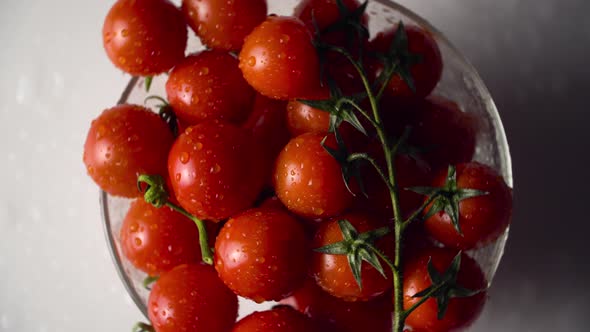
(245, 154)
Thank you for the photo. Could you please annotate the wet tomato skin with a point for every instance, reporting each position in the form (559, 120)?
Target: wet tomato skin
(279, 59)
(124, 142)
(215, 170)
(308, 180)
(280, 319)
(261, 254)
(337, 315)
(208, 86)
(222, 24)
(156, 240)
(426, 73)
(461, 312)
(482, 219)
(332, 272)
(191, 297)
(302, 118)
(144, 37)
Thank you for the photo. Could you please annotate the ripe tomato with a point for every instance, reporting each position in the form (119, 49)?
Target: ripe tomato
(191, 297)
(144, 37)
(461, 312)
(207, 86)
(281, 319)
(279, 59)
(325, 12)
(156, 240)
(261, 254)
(303, 119)
(446, 135)
(333, 273)
(426, 73)
(215, 170)
(483, 218)
(124, 142)
(338, 315)
(223, 24)
(308, 180)
(268, 124)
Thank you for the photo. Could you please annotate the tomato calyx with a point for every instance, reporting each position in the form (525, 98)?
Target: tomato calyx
(154, 192)
(350, 21)
(358, 248)
(149, 281)
(447, 198)
(349, 165)
(143, 327)
(148, 80)
(166, 113)
(444, 287)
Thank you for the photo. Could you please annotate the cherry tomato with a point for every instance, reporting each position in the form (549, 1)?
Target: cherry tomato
(124, 142)
(281, 319)
(445, 134)
(207, 86)
(191, 297)
(333, 273)
(308, 180)
(215, 170)
(268, 124)
(273, 203)
(483, 218)
(223, 24)
(156, 240)
(461, 312)
(279, 59)
(339, 315)
(426, 73)
(261, 254)
(144, 37)
(303, 119)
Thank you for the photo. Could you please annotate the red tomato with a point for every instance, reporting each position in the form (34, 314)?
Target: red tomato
(207, 86)
(446, 135)
(308, 180)
(223, 24)
(124, 142)
(281, 319)
(268, 124)
(273, 203)
(461, 312)
(279, 59)
(144, 37)
(332, 272)
(156, 240)
(482, 219)
(303, 119)
(215, 170)
(426, 74)
(261, 254)
(339, 315)
(192, 298)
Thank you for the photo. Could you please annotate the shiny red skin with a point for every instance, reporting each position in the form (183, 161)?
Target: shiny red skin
(191, 297)
(341, 316)
(268, 125)
(222, 24)
(136, 41)
(123, 142)
(215, 170)
(461, 312)
(426, 74)
(281, 319)
(308, 180)
(261, 254)
(482, 219)
(332, 272)
(279, 59)
(156, 240)
(208, 86)
(303, 119)
(447, 135)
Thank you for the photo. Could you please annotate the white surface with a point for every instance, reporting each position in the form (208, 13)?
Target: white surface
(55, 271)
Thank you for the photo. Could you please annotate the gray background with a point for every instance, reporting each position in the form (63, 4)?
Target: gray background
(55, 272)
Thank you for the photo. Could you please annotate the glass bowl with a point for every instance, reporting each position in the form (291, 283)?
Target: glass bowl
(460, 83)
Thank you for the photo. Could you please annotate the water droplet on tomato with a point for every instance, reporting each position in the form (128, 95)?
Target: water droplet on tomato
(215, 169)
(125, 33)
(198, 146)
(252, 61)
(284, 39)
(138, 241)
(177, 177)
(204, 71)
(184, 157)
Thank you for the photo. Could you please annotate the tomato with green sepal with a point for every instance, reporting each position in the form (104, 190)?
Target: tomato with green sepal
(124, 142)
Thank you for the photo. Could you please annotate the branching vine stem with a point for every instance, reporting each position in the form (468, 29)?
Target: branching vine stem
(203, 240)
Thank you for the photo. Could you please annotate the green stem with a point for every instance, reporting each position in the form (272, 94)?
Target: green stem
(373, 162)
(416, 213)
(206, 253)
(143, 327)
(382, 256)
(423, 299)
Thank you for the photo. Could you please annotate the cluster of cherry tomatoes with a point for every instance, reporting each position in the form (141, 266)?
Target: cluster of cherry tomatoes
(250, 158)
